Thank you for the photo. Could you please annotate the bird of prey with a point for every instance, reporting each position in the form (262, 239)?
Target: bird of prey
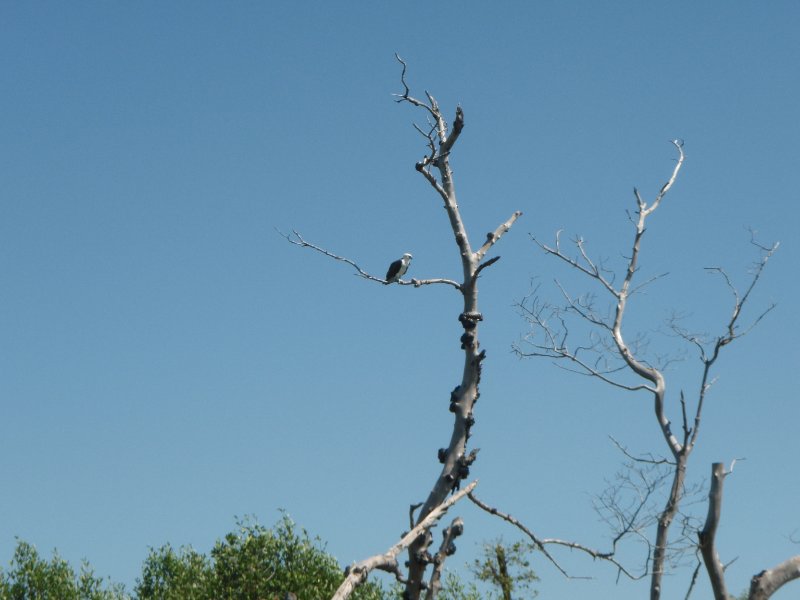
(398, 268)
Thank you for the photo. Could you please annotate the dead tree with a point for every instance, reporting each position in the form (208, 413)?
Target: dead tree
(610, 357)
(455, 458)
(357, 574)
(763, 584)
(435, 168)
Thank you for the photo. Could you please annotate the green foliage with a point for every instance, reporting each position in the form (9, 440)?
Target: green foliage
(251, 563)
(506, 568)
(171, 575)
(30, 577)
(454, 589)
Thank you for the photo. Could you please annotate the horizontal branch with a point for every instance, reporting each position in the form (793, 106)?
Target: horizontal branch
(357, 574)
(299, 241)
(647, 459)
(421, 282)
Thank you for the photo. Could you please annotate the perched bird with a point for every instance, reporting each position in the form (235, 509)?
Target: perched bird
(398, 268)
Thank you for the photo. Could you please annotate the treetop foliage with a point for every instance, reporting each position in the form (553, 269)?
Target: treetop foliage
(252, 562)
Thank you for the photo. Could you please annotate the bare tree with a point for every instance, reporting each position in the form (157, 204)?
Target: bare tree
(610, 357)
(763, 584)
(440, 140)
(455, 458)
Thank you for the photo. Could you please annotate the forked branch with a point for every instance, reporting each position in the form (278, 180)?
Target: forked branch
(764, 584)
(455, 457)
(357, 574)
(447, 548)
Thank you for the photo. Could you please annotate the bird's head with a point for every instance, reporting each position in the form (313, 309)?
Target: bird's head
(407, 256)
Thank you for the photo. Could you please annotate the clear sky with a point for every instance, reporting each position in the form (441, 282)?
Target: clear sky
(169, 362)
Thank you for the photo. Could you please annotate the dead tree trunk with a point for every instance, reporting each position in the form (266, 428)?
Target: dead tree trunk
(764, 584)
(455, 458)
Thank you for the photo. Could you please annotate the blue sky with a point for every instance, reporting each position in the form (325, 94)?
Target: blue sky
(170, 362)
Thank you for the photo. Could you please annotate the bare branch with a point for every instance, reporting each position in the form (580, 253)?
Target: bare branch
(646, 283)
(647, 458)
(447, 548)
(584, 307)
(494, 236)
(411, 510)
(405, 97)
(591, 270)
(298, 240)
(666, 187)
(357, 573)
(540, 543)
(693, 581)
(456, 459)
(731, 333)
(766, 583)
(555, 346)
(458, 125)
(421, 282)
(793, 538)
(432, 180)
(656, 383)
(707, 536)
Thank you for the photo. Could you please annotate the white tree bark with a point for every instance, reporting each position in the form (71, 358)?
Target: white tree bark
(766, 583)
(455, 458)
(357, 574)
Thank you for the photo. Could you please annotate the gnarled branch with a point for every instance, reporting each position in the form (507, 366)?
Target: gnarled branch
(357, 573)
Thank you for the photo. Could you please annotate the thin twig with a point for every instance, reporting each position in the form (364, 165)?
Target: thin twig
(298, 240)
(540, 543)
